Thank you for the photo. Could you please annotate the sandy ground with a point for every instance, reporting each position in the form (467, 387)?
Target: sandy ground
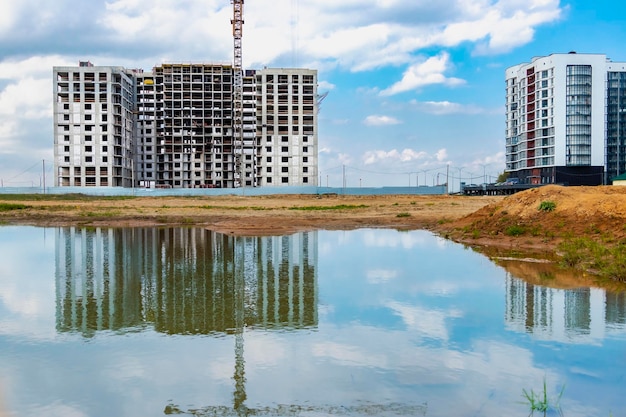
(479, 221)
(259, 215)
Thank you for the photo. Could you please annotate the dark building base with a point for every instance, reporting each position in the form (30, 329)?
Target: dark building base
(565, 175)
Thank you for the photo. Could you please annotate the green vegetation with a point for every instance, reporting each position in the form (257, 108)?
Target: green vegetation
(62, 197)
(100, 214)
(10, 207)
(503, 177)
(515, 230)
(539, 401)
(547, 206)
(337, 207)
(585, 253)
(403, 214)
(233, 208)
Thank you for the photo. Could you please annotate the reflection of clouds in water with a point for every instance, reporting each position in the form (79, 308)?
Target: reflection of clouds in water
(26, 292)
(349, 355)
(428, 323)
(264, 352)
(394, 239)
(56, 409)
(380, 276)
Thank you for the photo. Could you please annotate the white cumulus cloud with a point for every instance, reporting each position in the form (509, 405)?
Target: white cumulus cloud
(428, 72)
(376, 120)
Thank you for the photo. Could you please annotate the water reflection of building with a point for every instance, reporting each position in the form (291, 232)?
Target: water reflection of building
(565, 315)
(183, 280)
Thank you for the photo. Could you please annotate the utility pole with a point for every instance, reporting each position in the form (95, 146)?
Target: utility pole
(43, 174)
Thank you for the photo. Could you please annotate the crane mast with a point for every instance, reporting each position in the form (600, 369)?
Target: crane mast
(237, 22)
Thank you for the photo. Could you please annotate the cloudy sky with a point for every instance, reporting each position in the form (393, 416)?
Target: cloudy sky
(414, 86)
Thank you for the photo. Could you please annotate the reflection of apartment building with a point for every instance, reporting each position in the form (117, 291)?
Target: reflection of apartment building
(183, 281)
(563, 315)
(565, 119)
(174, 127)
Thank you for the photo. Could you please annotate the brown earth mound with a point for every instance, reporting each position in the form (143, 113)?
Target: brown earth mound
(540, 218)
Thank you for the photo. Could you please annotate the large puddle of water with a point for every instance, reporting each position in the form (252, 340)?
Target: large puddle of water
(157, 321)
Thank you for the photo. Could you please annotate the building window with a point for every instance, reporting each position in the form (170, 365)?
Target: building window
(105, 159)
(305, 149)
(269, 180)
(305, 169)
(66, 138)
(269, 169)
(268, 149)
(305, 180)
(66, 149)
(268, 159)
(284, 180)
(285, 159)
(88, 138)
(284, 149)
(105, 149)
(88, 159)
(284, 169)
(305, 159)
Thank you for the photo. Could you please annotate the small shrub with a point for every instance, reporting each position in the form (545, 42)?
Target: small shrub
(547, 206)
(403, 214)
(515, 230)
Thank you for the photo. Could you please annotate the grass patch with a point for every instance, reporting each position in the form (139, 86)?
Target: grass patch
(515, 230)
(62, 197)
(539, 401)
(11, 207)
(100, 213)
(547, 206)
(235, 208)
(403, 214)
(337, 207)
(585, 253)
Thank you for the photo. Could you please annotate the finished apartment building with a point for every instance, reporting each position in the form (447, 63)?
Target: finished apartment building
(566, 120)
(173, 127)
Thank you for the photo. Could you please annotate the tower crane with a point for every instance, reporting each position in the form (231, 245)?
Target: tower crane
(237, 22)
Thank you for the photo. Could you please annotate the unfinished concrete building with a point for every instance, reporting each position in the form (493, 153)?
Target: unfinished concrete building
(174, 127)
(93, 126)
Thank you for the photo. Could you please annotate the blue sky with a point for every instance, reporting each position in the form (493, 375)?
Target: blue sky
(414, 87)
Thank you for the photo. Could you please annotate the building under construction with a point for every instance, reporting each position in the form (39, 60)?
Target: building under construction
(176, 127)
(186, 125)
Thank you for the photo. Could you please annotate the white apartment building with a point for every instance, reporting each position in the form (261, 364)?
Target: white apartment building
(93, 126)
(175, 127)
(287, 127)
(562, 123)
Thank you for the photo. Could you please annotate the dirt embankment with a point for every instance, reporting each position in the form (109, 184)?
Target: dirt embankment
(539, 219)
